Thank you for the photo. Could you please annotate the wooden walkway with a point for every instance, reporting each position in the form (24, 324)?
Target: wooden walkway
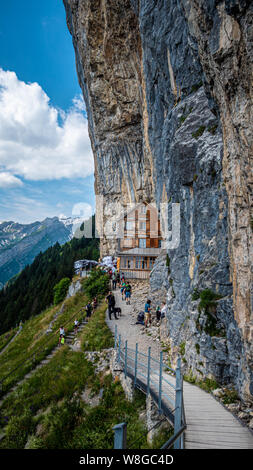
(209, 424)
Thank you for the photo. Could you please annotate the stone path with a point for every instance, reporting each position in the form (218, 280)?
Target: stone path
(209, 424)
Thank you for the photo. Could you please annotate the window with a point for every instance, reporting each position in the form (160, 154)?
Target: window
(151, 262)
(143, 209)
(130, 263)
(127, 242)
(142, 226)
(129, 225)
(138, 262)
(144, 263)
(142, 242)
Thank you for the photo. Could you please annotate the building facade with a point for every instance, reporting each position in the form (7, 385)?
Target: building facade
(140, 242)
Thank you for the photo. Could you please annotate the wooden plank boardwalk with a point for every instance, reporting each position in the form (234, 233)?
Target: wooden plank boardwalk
(209, 424)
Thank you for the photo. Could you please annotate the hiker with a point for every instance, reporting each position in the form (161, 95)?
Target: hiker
(140, 318)
(94, 303)
(88, 309)
(147, 310)
(76, 323)
(61, 340)
(128, 290)
(158, 313)
(114, 281)
(111, 305)
(122, 289)
(62, 331)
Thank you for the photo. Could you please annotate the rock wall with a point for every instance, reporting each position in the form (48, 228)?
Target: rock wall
(167, 90)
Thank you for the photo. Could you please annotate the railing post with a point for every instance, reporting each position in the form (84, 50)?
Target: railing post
(178, 403)
(120, 436)
(136, 364)
(160, 382)
(125, 359)
(148, 378)
(119, 348)
(115, 337)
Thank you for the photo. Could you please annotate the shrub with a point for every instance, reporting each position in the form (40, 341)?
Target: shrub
(195, 294)
(182, 349)
(17, 430)
(198, 132)
(208, 300)
(96, 284)
(60, 290)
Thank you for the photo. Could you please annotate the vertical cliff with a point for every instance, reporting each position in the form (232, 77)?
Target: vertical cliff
(167, 90)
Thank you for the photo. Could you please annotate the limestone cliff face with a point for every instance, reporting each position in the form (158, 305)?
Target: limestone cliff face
(167, 90)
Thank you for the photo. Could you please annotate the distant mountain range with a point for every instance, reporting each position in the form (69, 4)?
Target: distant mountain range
(19, 244)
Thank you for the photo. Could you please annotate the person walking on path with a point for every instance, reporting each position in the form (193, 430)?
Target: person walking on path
(62, 331)
(94, 304)
(111, 305)
(147, 310)
(128, 291)
(61, 340)
(158, 313)
(114, 281)
(122, 289)
(76, 323)
(88, 309)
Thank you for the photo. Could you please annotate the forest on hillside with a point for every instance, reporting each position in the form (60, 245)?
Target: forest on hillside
(32, 291)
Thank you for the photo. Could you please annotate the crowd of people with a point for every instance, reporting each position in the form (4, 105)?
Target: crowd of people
(145, 317)
(118, 280)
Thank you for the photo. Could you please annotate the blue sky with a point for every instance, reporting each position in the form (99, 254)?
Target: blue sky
(46, 164)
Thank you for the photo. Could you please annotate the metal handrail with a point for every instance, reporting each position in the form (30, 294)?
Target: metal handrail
(174, 438)
(173, 393)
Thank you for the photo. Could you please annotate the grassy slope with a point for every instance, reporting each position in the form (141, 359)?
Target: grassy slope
(33, 344)
(46, 410)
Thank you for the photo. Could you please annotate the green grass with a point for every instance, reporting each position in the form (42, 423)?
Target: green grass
(6, 338)
(97, 334)
(46, 409)
(33, 344)
(206, 384)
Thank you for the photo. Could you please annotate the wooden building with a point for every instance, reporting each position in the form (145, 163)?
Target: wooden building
(140, 242)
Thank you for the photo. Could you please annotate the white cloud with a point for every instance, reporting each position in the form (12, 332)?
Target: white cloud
(9, 180)
(38, 141)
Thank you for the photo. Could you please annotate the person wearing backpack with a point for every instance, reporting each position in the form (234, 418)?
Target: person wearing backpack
(158, 313)
(111, 305)
(128, 293)
(88, 309)
(122, 290)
